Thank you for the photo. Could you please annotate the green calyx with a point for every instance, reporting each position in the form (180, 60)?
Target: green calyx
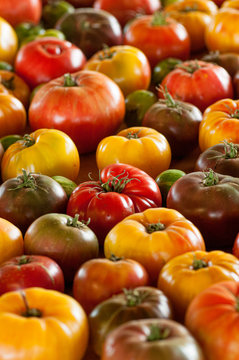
(158, 333)
(28, 140)
(74, 222)
(133, 297)
(191, 67)
(69, 81)
(30, 312)
(155, 227)
(159, 19)
(117, 184)
(210, 178)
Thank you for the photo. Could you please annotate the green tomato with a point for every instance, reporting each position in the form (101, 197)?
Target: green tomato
(6, 66)
(26, 29)
(163, 68)
(166, 179)
(137, 103)
(67, 184)
(8, 140)
(53, 11)
(53, 33)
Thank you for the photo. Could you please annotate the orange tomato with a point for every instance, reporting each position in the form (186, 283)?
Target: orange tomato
(11, 241)
(152, 238)
(13, 118)
(142, 147)
(230, 4)
(12, 84)
(8, 42)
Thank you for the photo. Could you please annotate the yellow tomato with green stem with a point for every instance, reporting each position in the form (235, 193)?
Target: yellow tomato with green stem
(142, 147)
(47, 151)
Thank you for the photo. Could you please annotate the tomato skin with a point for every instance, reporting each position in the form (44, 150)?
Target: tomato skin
(73, 105)
(212, 318)
(235, 249)
(130, 341)
(12, 84)
(99, 279)
(47, 58)
(105, 208)
(11, 240)
(16, 12)
(13, 117)
(199, 83)
(213, 208)
(8, 42)
(158, 42)
(30, 271)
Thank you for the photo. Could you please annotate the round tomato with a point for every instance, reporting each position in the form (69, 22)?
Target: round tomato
(121, 190)
(12, 84)
(47, 58)
(229, 61)
(11, 241)
(13, 118)
(159, 37)
(46, 151)
(8, 41)
(15, 11)
(70, 98)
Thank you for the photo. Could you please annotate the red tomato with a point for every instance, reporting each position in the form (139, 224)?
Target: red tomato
(199, 83)
(18, 11)
(125, 10)
(121, 191)
(159, 37)
(44, 59)
(30, 271)
(99, 279)
(235, 249)
(86, 105)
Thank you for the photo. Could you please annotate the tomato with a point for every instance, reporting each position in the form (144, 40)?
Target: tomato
(46, 151)
(125, 10)
(53, 11)
(177, 120)
(186, 275)
(99, 279)
(44, 59)
(195, 15)
(199, 83)
(236, 83)
(213, 319)
(235, 249)
(158, 235)
(230, 4)
(159, 37)
(121, 190)
(163, 68)
(8, 41)
(229, 61)
(25, 271)
(62, 238)
(67, 184)
(27, 29)
(16, 12)
(222, 33)
(45, 33)
(151, 339)
(166, 179)
(140, 303)
(70, 99)
(220, 122)
(11, 240)
(142, 147)
(28, 196)
(126, 65)
(12, 84)
(38, 317)
(211, 202)
(91, 29)
(13, 118)
(222, 158)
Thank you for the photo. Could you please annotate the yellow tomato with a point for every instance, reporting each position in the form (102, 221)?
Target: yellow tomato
(8, 42)
(231, 4)
(126, 65)
(46, 151)
(11, 241)
(142, 147)
(42, 324)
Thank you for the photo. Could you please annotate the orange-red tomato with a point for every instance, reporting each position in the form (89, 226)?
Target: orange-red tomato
(12, 84)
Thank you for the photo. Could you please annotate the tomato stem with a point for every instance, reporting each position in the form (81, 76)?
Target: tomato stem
(230, 151)
(191, 67)
(115, 258)
(199, 263)
(235, 115)
(24, 260)
(30, 312)
(133, 135)
(155, 227)
(157, 333)
(69, 81)
(27, 181)
(133, 297)
(115, 184)
(28, 140)
(159, 19)
(8, 83)
(210, 178)
(74, 222)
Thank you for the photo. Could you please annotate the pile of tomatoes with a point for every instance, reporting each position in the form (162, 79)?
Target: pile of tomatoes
(139, 258)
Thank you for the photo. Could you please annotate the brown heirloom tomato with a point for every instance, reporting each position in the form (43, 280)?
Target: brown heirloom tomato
(157, 234)
(213, 319)
(186, 275)
(12, 84)
(211, 202)
(99, 279)
(151, 339)
(86, 105)
(140, 303)
(159, 37)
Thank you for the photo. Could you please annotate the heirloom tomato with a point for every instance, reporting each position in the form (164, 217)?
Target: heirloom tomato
(8, 41)
(53, 11)
(220, 122)
(125, 10)
(121, 190)
(211, 202)
(26, 197)
(70, 99)
(159, 37)
(158, 235)
(199, 83)
(235, 249)
(47, 151)
(133, 304)
(166, 179)
(186, 275)
(142, 147)
(213, 319)
(26, 271)
(11, 240)
(12, 84)
(195, 15)
(151, 339)
(223, 158)
(163, 68)
(13, 117)
(230, 4)
(126, 65)
(42, 324)
(15, 11)
(62, 238)
(99, 279)
(47, 58)
(229, 61)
